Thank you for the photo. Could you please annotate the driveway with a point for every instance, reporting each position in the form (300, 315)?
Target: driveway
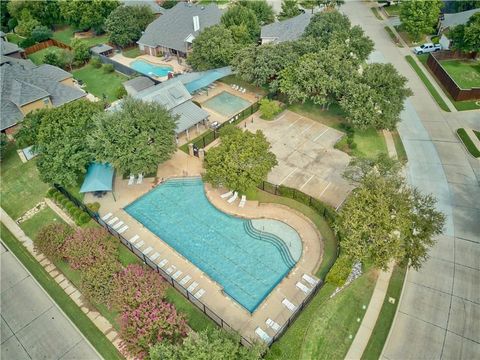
(32, 325)
(439, 312)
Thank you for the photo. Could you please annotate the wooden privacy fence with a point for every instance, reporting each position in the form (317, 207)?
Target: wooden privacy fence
(46, 44)
(457, 93)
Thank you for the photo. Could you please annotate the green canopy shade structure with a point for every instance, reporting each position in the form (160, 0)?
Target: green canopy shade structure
(99, 178)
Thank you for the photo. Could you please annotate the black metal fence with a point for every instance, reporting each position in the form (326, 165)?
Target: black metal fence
(212, 135)
(200, 305)
(126, 70)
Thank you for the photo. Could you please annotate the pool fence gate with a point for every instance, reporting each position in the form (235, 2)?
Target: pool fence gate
(199, 304)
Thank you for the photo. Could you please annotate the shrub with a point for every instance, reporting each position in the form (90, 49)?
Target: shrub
(135, 285)
(108, 68)
(152, 322)
(96, 281)
(339, 272)
(95, 206)
(83, 218)
(96, 63)
(50, 240)
(27, 42)
(87, 247)
(51, 193)
(120, 92)
(269, 109)
(41, 33)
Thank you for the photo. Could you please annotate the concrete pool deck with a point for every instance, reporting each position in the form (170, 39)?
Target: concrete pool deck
(177, 68)
(222, 305)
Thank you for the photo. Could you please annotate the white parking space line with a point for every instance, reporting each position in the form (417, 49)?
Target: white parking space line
(326, 187)
(306, 182)
(300, 118)
(308, 128)
(318, 137)
(286, 177)
(281, 117)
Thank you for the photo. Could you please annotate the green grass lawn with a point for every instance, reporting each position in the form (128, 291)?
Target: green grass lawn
(324, 328)
(459, 105)
(469, 144)
(100, 83)
(20, 188)
(408, 39)
(376, 13)
(401, 153)
(83, 323)
(369, 142)
(477, 134)
(385, 318)
(14, 38)
(427, 83)
(37, 57)
(33, 225)
(393, 36)
(466, 73)
(233, 79)
(66, 35)
(392, 10)
(132, 52)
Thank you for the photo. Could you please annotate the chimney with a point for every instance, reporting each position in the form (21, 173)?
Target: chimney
(196, 23)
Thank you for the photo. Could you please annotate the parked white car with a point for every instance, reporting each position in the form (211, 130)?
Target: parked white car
(427, 48)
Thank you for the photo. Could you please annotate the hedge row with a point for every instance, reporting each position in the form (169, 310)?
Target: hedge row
(79, 216)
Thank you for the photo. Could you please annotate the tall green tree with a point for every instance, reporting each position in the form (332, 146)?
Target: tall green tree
(81, 51)
(466, 37)
(135, 139)
(241, 15)
(46, 12)
(419, 17)
(26, 24)
(87, 14)
(30, 125)
(64, 153)
(289, 9)
(384, 219)
(263, 11)
(208, 344)
(214, 47)
(376, 98)
(126, 23)
(241, 161)
(41, 33)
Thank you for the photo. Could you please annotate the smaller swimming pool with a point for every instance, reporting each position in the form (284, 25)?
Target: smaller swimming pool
(226, 104)
(148, 68)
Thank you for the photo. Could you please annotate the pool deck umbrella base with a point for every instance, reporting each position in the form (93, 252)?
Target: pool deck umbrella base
(99, 178)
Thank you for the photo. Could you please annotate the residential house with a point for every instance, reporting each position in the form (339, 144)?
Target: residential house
(152, 4)
(173, 95)
(11, 49)
(174, 31)
(286, 30)
(27, 87)
(449, 21)
(137, 84)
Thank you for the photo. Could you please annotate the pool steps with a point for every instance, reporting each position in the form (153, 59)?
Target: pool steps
(272, 239)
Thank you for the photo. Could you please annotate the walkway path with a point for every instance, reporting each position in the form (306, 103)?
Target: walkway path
(438, 315)
(33, 325)
(102, 323)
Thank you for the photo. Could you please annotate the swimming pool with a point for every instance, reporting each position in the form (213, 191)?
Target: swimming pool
(148, 68)
(226, 104)
(248, 258)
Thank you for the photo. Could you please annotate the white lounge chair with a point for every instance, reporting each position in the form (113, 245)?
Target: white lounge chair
(309, 279)
(233, 198)
(106, 216)
(244, 90)
(235, 87)
(123, 229)
(288, 305)
(242, 201)
(192, 287)
(114, 220)
(177, 274)
(171, 269)
(117, 225)
(154, 256)
(263, 335)
(131, 179)
(140, 179)
(227, 194)
(133, 239)
(163, 263)
(185, 280)
(148, 250)
(140, 244)
(302, 287)
(199, 293)
(272, 324)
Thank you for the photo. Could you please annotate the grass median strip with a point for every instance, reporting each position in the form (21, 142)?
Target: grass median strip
(376, 13)
(427, 83)
(83, 323)
(393, 36)
(469, 144)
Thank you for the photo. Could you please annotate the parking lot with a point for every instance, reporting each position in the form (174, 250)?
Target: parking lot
(307, 160)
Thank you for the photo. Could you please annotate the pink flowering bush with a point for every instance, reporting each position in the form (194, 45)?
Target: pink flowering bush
(50, 240)
(152, 322)
(86, 247)
(96, 281)
(135, 285)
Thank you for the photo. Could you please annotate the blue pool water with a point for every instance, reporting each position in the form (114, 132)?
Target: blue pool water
(241, 255)
(226, 104)
(147, 68)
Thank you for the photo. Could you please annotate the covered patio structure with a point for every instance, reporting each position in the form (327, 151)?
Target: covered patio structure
(99, 179)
